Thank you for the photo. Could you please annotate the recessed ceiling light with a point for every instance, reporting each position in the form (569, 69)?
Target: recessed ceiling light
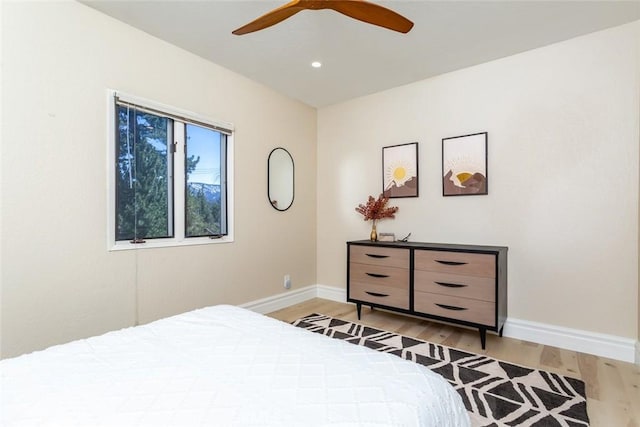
(316, 64)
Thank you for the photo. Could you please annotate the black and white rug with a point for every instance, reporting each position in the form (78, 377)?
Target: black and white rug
(495, 393)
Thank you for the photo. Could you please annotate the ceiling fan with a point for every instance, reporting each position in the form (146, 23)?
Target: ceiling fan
(361, 10)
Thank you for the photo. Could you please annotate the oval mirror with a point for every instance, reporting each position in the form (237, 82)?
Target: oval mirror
(280, 181)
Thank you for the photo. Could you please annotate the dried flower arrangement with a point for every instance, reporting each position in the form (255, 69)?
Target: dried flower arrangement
(376, 209)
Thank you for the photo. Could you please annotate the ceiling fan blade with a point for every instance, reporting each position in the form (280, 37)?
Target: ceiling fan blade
(371, 13)
(270, 18)
(361, 10)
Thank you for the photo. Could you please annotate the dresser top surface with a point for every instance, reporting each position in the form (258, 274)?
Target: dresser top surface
(433, 246)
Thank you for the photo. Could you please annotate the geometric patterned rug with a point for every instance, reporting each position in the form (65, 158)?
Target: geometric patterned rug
(494, 392)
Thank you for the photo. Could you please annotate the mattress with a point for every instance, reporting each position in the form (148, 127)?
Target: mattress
(221, 366)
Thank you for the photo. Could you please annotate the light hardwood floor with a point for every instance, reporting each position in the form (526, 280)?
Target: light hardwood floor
(613, 387)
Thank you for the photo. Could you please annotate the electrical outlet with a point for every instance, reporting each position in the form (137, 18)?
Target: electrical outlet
(287, 281)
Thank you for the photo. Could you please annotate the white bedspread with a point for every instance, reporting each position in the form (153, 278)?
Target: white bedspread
(221, 366)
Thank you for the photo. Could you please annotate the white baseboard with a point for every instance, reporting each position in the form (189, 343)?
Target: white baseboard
(283, 300)
(289, 298)
(610, 346)
(602, 345)
(332, 293)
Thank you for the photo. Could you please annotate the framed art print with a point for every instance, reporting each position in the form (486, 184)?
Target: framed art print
(464, 165)
(400, 170)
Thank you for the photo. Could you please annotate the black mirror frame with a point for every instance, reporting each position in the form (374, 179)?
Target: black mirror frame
(293, 179)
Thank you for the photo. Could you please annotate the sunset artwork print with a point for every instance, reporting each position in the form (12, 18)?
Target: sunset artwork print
(464, 165)
(400, 170)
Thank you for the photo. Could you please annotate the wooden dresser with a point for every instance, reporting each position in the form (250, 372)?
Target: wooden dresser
(461, 284)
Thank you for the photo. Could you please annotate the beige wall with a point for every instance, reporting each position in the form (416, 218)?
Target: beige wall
(59, 282)
(563, 124)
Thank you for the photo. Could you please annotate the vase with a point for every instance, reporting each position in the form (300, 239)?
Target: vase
(374, 234)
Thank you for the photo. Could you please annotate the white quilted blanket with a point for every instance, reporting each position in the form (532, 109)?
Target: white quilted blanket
(221, 366)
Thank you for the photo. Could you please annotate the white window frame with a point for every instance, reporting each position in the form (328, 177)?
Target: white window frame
(179, 238)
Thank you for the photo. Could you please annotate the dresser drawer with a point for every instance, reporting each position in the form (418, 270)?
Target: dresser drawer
(375, 255)
(456, 285)
(380, 294)
(465, 263)
(468, 310)
(379, 275)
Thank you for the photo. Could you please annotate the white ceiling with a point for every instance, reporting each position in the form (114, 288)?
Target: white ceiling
(358, 58)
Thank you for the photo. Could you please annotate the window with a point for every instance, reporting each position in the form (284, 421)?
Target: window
(169, 173)
(204, 214)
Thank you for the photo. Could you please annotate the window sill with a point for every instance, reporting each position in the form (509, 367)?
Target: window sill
(169, 243)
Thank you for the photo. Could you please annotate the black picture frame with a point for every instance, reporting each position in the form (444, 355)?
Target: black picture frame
(465, 165)
(400, 170)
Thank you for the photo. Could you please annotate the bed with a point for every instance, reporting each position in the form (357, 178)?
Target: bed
(221, 366)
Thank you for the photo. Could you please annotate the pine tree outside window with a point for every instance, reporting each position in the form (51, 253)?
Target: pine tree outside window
(170, 175)
(205, 215)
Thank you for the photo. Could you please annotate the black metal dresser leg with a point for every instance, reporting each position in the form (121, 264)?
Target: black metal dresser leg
(483, 337)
